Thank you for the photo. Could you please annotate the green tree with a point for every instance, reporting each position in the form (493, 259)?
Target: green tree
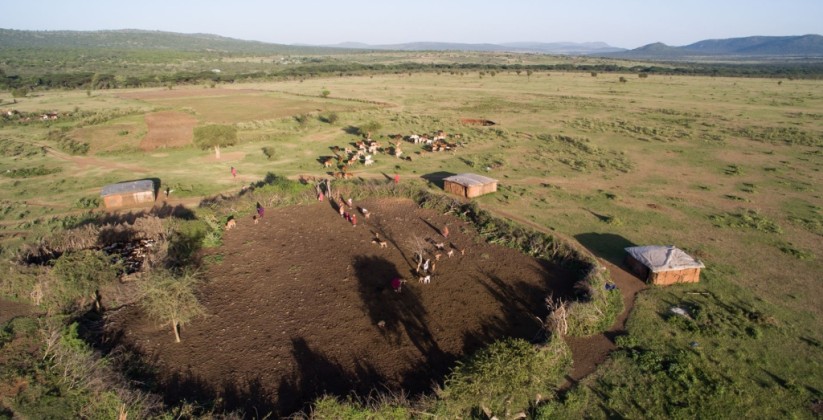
(79, 275)
(19, 92)
(170, 299)
(215, 136)
(325, 93)
(367, 128)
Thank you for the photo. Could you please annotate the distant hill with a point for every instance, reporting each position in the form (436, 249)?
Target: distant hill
(569, 48)
(136, 39)
(753, 46)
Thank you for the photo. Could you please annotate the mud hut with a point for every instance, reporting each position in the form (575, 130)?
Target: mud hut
(469, 185)
(663, 265)
(128, 193)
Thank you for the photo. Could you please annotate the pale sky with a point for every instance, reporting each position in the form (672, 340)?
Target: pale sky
(620, 23)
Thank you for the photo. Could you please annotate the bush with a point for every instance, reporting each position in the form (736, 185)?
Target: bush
(270, 152)
(79, 275)
(504, 378)
(19, 92)
(31, 172)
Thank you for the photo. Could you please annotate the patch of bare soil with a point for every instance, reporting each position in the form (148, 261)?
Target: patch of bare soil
(168, 129)
(589, 352)
(146, 95)
(302, 305)
(10, 310)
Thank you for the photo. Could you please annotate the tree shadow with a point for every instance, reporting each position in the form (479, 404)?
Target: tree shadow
(317, 375)
(350, 129)
(396, 315)
(608, 246)
(436, 178)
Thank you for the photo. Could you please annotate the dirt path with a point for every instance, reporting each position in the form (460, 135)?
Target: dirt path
(589, 352)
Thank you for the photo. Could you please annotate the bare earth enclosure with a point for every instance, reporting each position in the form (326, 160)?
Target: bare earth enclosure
(301, 305)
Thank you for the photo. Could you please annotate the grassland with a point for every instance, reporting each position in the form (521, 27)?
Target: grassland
(726, 168)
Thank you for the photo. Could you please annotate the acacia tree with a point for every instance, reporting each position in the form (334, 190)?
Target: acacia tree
(170, 299)
(215, 136)
(79, 275)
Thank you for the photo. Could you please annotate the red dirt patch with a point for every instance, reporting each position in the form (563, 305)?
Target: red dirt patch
(168, 129)
(295, 309)
(147, 94)
(474, 121)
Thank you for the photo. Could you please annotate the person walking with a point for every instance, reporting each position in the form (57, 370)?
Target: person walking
(233, 172)
(260, 211)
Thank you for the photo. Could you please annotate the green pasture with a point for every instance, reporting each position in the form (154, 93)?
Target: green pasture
(728, 169)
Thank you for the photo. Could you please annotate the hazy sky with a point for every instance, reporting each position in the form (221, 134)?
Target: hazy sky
(621, 23)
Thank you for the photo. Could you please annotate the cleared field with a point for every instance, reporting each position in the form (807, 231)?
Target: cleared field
(727, 168)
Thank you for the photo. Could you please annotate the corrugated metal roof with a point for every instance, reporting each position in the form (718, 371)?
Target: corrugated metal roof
(128, 187)
(469, 180)
(663, 258)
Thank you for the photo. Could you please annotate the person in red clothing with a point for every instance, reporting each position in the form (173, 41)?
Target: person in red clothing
(397, 284)
(234, 172)
(396, 179)
(353, 219)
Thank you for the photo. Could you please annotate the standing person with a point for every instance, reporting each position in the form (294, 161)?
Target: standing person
(397, 284)
(320, 196)
(233, 172)
(260, 211)
(396, 179)
(445, 231)
(354, 220)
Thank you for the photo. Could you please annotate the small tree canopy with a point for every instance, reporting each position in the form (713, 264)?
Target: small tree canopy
(79, 275)
(170, 299)
(215, 136)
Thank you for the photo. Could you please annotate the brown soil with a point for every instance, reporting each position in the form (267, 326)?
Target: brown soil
(588, 352)
(146, 94)
(474, 121)
(301, 305)
(168, 129)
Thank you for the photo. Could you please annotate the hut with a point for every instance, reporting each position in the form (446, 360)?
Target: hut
(128, 193)
(663, 265)
(469, 185)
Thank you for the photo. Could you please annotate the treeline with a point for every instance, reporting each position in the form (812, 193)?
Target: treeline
(89, 80)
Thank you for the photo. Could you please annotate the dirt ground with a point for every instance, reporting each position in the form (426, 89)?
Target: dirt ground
(302, 305)
(168, 129)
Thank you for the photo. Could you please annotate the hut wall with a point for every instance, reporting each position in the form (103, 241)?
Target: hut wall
(688, 275)
(638, 268)
(455, 188)
(128, 199)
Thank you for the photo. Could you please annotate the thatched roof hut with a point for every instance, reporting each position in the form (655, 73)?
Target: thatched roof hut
(663, 265)
(469, 185)
(128, 193)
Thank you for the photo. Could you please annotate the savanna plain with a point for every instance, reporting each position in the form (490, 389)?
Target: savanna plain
(728, 169)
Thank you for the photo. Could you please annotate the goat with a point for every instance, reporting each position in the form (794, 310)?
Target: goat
(425, 280)
(437, 256)
(440, 246)
(256, 219)
(378, 241)
(231, 224)
(450, 253)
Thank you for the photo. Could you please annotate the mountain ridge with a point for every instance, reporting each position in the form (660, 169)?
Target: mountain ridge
(810, 45)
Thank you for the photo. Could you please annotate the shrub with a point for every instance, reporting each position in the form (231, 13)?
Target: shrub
(31, 172)
(19, 92)
(79, 275)
(270, 152)
(504, 378)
